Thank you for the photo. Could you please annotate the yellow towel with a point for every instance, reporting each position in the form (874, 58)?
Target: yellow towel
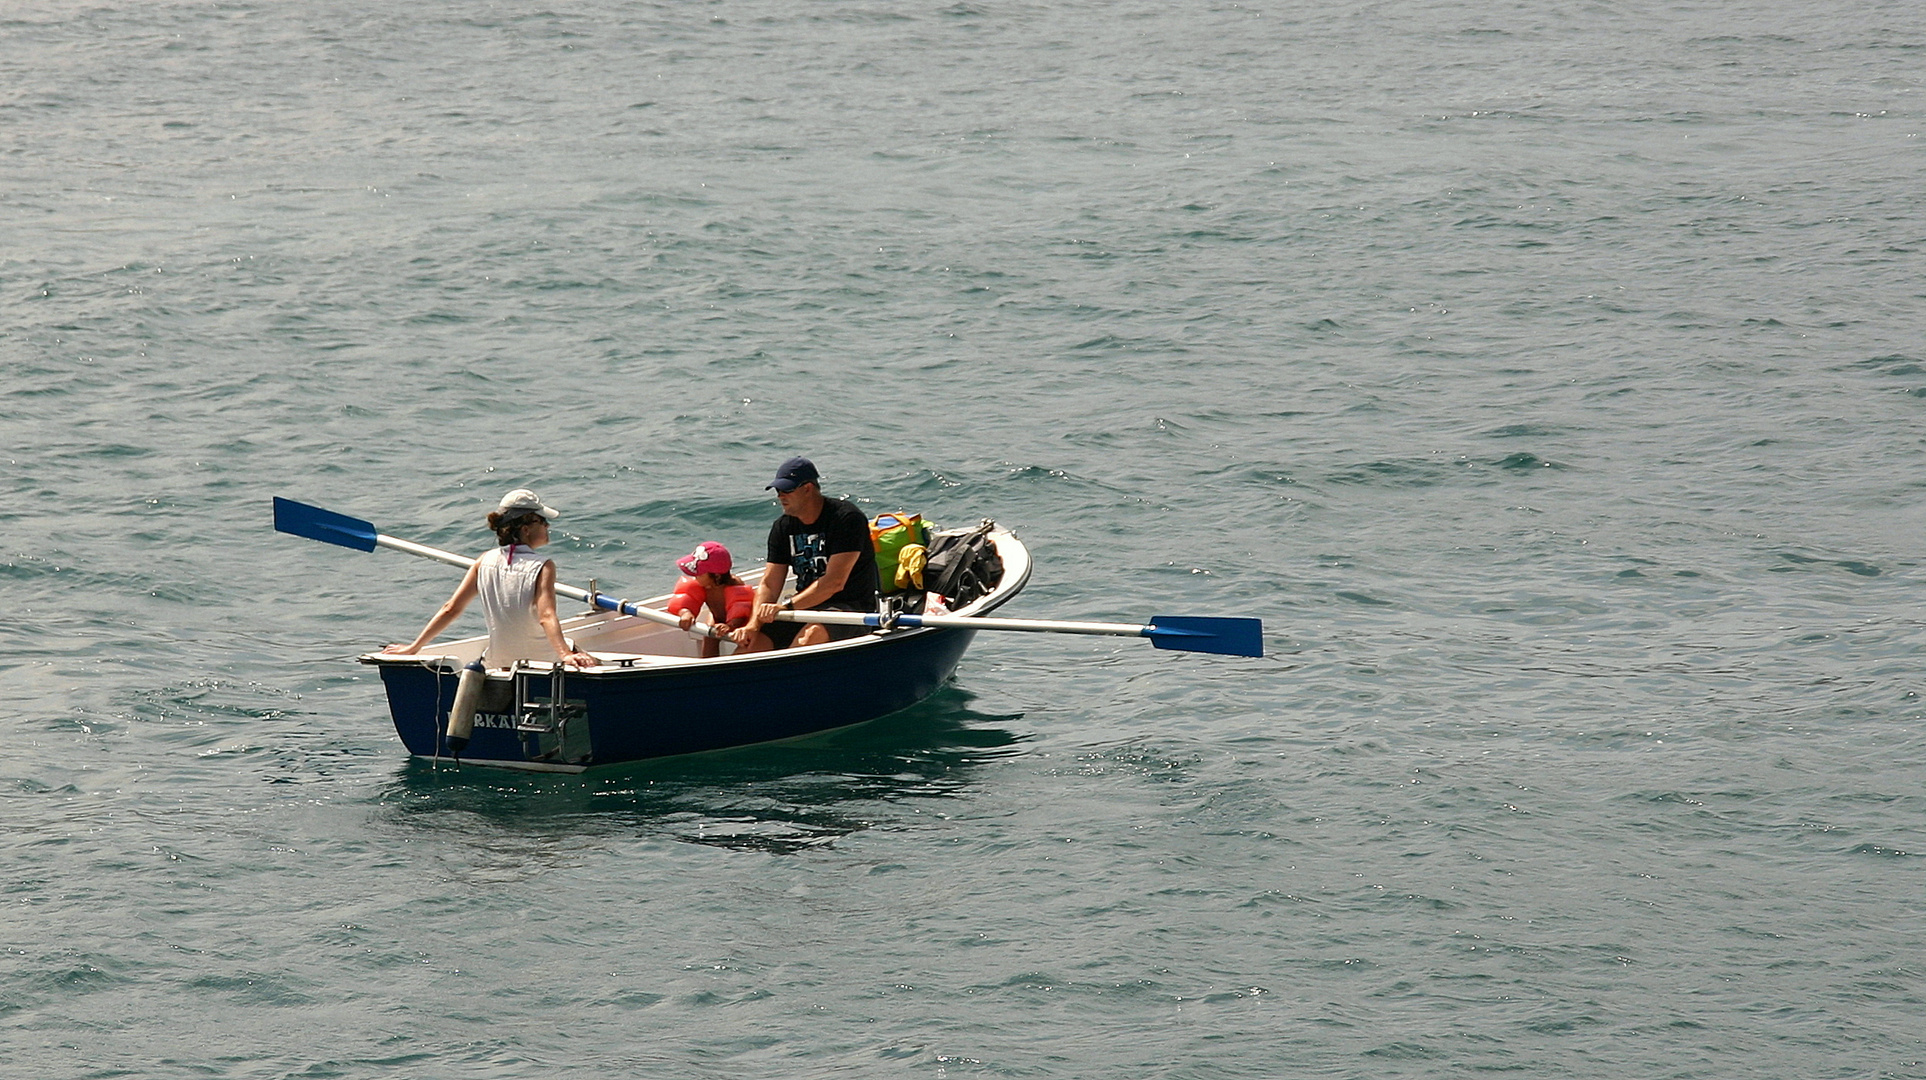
(909, 565)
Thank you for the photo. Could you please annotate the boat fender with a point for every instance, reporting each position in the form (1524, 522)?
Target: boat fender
(461, 715)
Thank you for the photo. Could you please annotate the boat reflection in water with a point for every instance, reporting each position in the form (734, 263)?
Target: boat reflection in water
(780, 799)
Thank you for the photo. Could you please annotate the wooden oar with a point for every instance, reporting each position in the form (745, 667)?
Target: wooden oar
(1187, 633)
(341, 530)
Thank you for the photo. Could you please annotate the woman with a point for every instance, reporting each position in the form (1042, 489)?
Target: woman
(517, 590)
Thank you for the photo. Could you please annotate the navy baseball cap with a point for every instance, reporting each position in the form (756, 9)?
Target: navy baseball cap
(794, 473)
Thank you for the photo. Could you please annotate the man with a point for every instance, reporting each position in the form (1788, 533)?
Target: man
(826, 542)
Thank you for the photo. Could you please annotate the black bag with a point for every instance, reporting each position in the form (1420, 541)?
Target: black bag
(907, 602)
(963, 564)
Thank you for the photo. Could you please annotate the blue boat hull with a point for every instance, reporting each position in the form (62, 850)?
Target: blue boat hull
(636, 714)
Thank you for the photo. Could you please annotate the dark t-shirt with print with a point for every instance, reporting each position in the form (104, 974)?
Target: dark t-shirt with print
(806, 549)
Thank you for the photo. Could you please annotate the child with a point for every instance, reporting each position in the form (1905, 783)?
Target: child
(708, 582)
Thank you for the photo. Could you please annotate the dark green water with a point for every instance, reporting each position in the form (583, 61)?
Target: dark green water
(1548, 379)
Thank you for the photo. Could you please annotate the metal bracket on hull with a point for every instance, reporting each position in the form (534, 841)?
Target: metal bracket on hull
(552, 728)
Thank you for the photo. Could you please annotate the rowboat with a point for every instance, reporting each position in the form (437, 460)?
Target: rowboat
(654, 695)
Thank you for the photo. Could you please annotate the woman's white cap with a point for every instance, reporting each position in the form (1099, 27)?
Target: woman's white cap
(524, 501)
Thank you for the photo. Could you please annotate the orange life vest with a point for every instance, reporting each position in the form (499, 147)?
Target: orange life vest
(732, 602)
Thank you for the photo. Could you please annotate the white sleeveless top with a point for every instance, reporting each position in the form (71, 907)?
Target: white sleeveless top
(506, 584)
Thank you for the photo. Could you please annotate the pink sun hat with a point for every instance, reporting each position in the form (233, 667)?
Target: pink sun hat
(709, 557)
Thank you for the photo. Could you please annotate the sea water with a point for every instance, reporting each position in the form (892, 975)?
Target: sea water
(1548, 378)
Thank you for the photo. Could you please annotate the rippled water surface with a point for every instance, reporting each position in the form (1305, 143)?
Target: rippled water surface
(1548, 378)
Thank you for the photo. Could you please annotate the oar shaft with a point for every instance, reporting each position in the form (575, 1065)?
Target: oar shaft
(629, 607)
(426, 552)
(1185, 633)
(1039, 626)
(602, 601)
(959, 622)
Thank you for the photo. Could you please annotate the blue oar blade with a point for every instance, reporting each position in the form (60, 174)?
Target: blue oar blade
(1204, 633)
(323, 525)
